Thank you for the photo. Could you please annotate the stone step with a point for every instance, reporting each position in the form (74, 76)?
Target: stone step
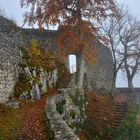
(120, 113)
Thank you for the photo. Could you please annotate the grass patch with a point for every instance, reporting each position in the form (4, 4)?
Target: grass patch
(10, 120)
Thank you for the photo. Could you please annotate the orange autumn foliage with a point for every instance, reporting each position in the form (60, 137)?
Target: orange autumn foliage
(101, 105)
(66, 12)
(99, 112)
(26, 123)
(73, 39)
(75, 16)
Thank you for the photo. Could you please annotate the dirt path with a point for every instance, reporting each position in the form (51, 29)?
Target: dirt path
(33, 126)
(26, 123)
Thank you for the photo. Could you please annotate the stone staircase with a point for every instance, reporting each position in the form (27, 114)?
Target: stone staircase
(120, 113)
(120, 110)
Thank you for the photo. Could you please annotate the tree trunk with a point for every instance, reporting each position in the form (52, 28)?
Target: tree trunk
(113, 88)
(80, 69)
(129, 77)
(130, 85)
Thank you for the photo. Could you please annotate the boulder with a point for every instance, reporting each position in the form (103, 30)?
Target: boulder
(13, 104)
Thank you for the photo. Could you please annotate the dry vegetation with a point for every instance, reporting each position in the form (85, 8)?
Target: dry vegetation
(25, 123)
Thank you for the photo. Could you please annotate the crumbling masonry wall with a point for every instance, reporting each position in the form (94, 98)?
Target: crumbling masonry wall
(8, 66)
(98, 76)
(59, 124)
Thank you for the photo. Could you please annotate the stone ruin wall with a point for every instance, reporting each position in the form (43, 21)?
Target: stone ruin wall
(9, 54)
(58, 123)
(8, 66)
(100, 75)
(11, 36)
(45, 38)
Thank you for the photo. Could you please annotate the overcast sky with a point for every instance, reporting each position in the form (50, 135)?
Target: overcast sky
(13, 10)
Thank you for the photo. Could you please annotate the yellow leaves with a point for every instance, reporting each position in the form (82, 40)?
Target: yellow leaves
(33, 43)
(35, 52)
(36, 58)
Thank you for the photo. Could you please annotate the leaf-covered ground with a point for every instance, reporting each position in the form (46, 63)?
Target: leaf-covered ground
(27, 123)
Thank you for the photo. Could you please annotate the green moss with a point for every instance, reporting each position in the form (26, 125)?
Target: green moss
(60, 106)
(72, 125)
(73, 114)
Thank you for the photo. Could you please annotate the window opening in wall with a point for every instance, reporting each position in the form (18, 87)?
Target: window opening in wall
(72, 63)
